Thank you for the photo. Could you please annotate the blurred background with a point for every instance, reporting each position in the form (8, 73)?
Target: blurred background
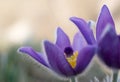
(29, 22)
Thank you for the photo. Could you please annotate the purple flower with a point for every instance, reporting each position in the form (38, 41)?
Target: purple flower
(62, 57)
(108, 41)
(85, 29)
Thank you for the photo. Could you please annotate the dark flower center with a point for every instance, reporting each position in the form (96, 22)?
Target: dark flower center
(68, 51)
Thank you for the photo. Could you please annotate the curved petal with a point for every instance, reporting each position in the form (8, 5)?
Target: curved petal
(84, 58)
(79, 42)
(104, 19)
(62, 39)
(37, 56)
(84, 28)
(109, 48)
(57, 59)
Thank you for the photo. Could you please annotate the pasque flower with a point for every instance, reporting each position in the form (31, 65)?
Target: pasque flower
(62, 57)
(107, 41)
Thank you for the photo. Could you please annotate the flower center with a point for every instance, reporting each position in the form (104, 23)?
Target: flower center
(71, 56)
(68, 51)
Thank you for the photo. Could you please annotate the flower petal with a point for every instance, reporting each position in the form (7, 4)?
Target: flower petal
(57, 59)
(84, 58)
(84, 28)
(37, 56)
(79, 42)
(62, 39)
(104, 19)
(109, 48)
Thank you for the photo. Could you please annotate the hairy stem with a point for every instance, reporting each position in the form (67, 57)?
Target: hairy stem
(73, 79)
(115, 76)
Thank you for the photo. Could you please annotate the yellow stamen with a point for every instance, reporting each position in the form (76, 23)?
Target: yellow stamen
(72, 59)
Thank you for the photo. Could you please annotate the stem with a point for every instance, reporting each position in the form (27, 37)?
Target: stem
(115, 76)
(73, 79)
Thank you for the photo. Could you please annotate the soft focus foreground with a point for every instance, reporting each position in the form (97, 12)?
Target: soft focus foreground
(24, 22)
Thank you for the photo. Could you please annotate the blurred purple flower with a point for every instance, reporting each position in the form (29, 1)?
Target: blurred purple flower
(62, 57)
(107, 40)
